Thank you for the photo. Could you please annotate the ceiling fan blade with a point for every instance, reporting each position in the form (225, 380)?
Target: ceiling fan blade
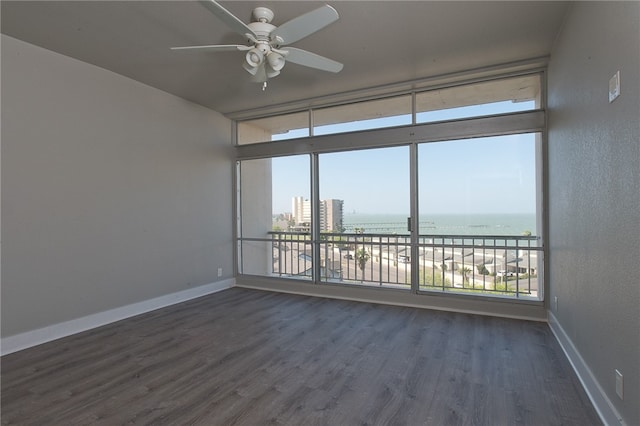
(228, 18)
(304, 25)
(214, 47)
(308, 59)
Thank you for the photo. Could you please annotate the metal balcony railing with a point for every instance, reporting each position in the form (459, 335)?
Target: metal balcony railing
(488, 265)
(499, 265)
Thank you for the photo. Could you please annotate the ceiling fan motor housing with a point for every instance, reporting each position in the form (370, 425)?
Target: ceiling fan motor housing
(262, 30)
(262, 43)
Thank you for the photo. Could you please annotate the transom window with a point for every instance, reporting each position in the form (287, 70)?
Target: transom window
(502, 96)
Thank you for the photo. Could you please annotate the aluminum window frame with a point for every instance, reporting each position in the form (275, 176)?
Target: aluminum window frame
(531, 121)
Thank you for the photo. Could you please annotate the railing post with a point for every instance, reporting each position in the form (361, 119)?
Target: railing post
(380, 258)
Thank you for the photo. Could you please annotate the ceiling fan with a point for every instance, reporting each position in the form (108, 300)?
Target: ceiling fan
(266, 55)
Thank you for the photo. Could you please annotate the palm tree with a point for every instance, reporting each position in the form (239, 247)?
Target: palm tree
(464, 271)
(362, 257)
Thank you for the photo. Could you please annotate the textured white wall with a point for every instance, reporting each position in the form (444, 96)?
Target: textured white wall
(112, 192)
(594, 192)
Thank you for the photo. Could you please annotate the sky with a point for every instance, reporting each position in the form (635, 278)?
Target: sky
(473, 176)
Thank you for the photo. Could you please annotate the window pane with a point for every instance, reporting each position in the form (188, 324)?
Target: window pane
(272, 242)
(478, 216)
(371, 190)
(362, 116)
(288, 126)
(479, 99)
(482, 177)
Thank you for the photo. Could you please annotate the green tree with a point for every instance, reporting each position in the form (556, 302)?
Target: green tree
(362, 257)
(482, 269)
(430, 279)
(464, 271)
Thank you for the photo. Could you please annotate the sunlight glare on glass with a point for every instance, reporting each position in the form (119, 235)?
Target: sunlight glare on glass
(291, 134)
(353, 126)
(503, 107)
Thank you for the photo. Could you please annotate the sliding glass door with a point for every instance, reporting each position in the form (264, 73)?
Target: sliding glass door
(346, 217)
(364, 206)
(479, 228)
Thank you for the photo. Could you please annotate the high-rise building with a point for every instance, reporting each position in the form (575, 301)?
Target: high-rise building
(301, 209)
(330, 214)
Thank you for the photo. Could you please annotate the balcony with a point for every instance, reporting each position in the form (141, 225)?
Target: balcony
(506, 266)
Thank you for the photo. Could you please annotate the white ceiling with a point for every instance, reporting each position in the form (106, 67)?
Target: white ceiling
(379, 42)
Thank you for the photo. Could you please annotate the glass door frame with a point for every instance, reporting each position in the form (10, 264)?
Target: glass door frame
(412, 136)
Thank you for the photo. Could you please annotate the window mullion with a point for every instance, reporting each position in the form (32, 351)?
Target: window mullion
(414, 220)
(315, 218)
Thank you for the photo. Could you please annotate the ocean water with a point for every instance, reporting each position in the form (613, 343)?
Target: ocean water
(445, 224)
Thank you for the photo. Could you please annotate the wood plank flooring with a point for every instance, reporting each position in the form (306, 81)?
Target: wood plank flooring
(248, 357)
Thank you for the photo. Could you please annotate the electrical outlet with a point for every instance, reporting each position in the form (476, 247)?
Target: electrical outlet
(555, 303)
(619, 384)
(219, 272)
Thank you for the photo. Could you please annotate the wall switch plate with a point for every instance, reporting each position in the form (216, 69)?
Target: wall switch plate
(614, 86)
(219, 272)
(619, 384)
(555, 303)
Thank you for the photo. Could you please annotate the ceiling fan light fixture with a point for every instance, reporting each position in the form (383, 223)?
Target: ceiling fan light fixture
(254, 57)
(276, 61)
(271, 72)
(250, 68)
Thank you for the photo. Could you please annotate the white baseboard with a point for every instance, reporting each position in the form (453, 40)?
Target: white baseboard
(31, 338)
(607, 412)
(365, 294)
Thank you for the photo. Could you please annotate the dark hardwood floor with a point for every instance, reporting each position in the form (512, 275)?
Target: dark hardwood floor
(249, 357)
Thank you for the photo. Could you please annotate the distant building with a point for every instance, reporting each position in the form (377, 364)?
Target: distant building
(331, 214)
(301, 215)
